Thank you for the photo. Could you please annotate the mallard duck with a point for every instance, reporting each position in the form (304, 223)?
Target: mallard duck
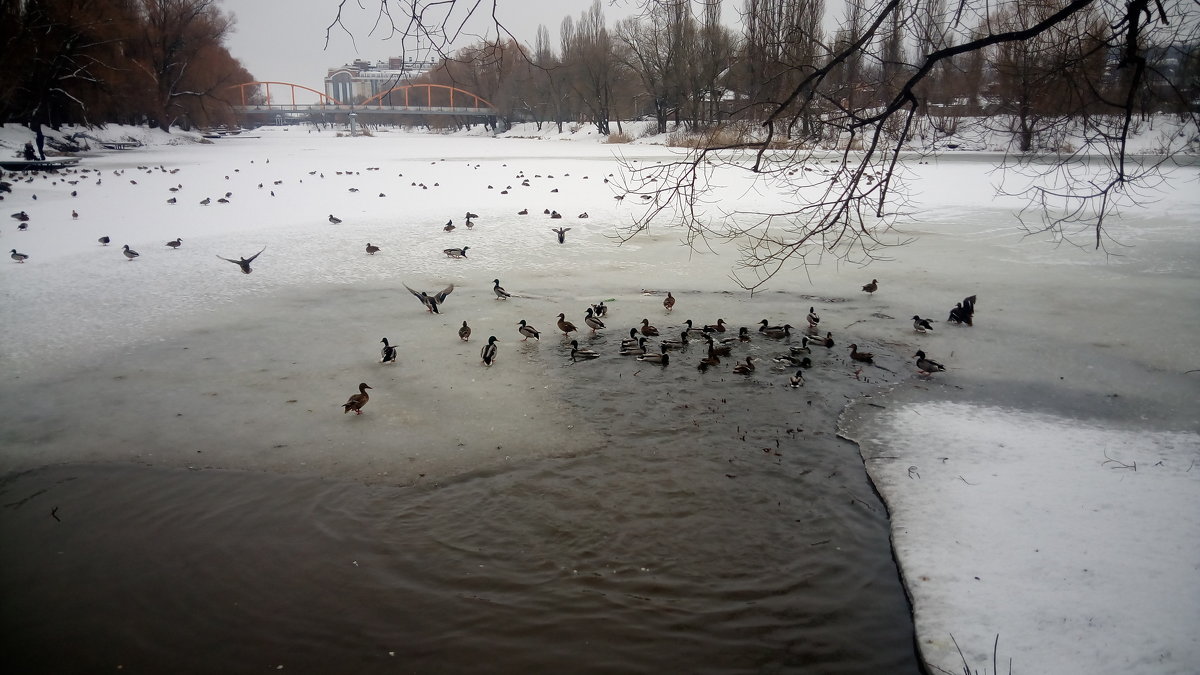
(372, 249)
(669, 302)
(871, 287)
(632, 340)
(744, 368)
(661, 358)
(796, 380)
(104, 241)
(963, 312)
(778, 332)
(175, 243)
(565, 326)
(388, 353)
(714, 350)
(19, 257)
(577, 353)
(827, 341)
(431, 302)
(472, 215)
(357, 401)
(130, 253)
(648, 330)
(708, 362)
(921, 325)
(523, 212)
(528, 331)
(449, 226)
(501, 294)
(743, 334)
(794, 361)
(244, 263)
(560, 231)
(592, 321)
(464, 333)
(488, 353)
(681, 343)
(803, 348)
(865, 357)
(635, 350)
(21, 216)
(766, 326)
(813, 319)
(456, 252)
(601, 309)
(927, 366)
(699, 330)
(718, 327)
(172, 200)
(332, 219)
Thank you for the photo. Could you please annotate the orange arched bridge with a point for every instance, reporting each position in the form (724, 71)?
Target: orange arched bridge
(408, 99)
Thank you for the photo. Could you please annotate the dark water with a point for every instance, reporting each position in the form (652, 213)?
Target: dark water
(720, 528)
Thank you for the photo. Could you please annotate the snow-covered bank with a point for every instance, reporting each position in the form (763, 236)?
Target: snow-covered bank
(193, 349)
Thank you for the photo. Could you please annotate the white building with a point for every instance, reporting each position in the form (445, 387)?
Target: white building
(352, 83)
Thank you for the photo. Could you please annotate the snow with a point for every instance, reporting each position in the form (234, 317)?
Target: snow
(1016, 508)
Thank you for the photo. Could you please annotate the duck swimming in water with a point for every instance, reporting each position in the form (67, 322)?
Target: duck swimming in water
(662, 358)
(778, 332)
(744, 368)
(681, 343)
(388, 353)
(357, 401)
(577, 353)
(635, 350)
(796, 380)
(669, 301)
(648, 330)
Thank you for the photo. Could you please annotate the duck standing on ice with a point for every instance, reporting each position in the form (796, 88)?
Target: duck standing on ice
(357, 401)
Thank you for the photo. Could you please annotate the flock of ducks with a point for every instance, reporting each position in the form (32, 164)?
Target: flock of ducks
(716, 340)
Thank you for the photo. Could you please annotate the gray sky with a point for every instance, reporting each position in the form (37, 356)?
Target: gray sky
(284, 40)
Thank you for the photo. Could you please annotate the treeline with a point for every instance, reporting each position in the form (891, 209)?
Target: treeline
(677, 63)
(154, 62)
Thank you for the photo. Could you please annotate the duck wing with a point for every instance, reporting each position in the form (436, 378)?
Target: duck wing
(441, 296)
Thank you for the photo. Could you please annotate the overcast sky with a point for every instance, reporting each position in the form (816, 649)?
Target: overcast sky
(284, 40)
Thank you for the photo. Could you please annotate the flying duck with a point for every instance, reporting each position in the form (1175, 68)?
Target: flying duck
(561, 232)
(592, 320)
(796, 380)
(565, 326)
(456, 252)
(372, 249)
(927, 366)
(635, 350)
(648, 330)
(921, 325)
(357, 401)
(175, 243)
(431, 302)
(244, 263)
(104, 240)
(577, 353)
(19, 257)
(871, 287)
(865, 357)
(464, 333)
(669, 301)
(130, 253)
(488, 353)
(662, 358)
(528, 331)
(388, 353)
(744, 368)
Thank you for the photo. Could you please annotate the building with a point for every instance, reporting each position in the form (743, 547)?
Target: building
(355, 82)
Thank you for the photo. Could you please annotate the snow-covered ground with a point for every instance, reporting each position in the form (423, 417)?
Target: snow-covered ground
(1042, 490)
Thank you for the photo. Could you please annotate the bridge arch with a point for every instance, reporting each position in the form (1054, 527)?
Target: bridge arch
(377, 99)
(324, 98)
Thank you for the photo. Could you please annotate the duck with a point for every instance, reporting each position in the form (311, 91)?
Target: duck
(501, 294)
(871, 287)
(388, 353)
(175, 243)
(925, 365)
(744, 368)
(130, 254)
(743, 334)
(565, 326)
(766, 326)
(813, 319)
(372, 249)
(803, 348)
(796, 381)
(827, 341)
(714, 350)
(357, 401)
(431, 302)
(662, 358)
(708, 362)
(488, 353)
(718, 327)
(692, 329)
(600, 309)
(963, 312)
(471, 215)
(794, 361)
(632, 340)
(648, 330)
(449, 226)
(464, 333)
(778, 332)
(669, 301)
(523, 212)
(865, 357)
(577, 353)
(456, 252)
(244, 263)
(19, 257)
(528, 331)
(21, 216)
(635, 350)
(560, 231)
(681, 343)
(592, 320)
(104, 241)
(921, 325)
(334, 219)
(172, 200)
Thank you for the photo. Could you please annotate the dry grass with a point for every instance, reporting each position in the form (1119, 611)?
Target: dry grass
(619, 137)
